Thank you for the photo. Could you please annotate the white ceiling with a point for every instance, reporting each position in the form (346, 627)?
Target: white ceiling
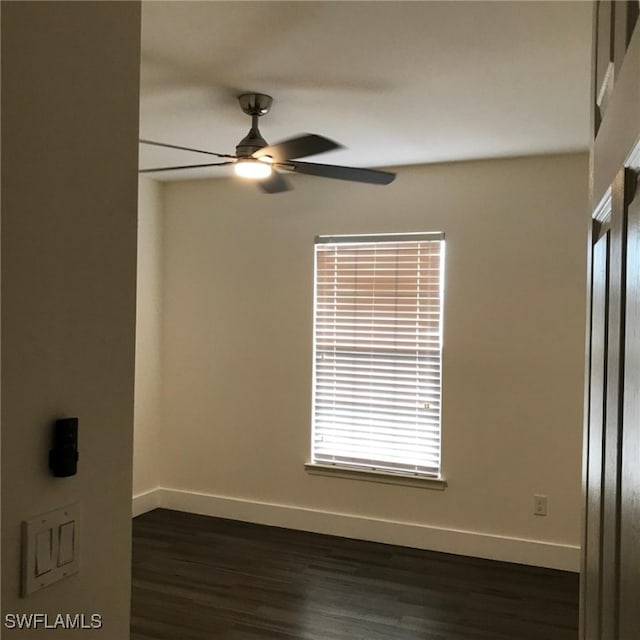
(397, 83)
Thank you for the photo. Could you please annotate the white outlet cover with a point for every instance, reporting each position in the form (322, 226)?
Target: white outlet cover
(51, 521)
(540, 505)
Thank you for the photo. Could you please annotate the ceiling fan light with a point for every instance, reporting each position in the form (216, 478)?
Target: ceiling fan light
(252, 168)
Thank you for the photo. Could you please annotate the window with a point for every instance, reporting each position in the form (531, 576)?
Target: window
(377, 352)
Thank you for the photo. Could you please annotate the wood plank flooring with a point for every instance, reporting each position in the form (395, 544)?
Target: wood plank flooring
(201, 578)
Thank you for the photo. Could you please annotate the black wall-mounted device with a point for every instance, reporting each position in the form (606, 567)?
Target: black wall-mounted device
(63, 457)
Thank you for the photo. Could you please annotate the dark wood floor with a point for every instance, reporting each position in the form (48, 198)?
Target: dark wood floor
(200, 578)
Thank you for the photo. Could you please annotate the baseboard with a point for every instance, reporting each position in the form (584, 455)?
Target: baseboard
(147, 501)
(468, 543)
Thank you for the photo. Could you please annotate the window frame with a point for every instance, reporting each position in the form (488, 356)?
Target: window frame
(362, 471)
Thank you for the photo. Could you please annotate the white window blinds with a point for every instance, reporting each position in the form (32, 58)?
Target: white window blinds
(377, 352)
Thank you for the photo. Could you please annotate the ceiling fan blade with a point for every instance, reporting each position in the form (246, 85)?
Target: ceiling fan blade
(306, 145)
(275, 183)
(186, 166)
(175, 146)
(370, 176)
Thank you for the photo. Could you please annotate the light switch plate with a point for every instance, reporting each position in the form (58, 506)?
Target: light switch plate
(61, 527)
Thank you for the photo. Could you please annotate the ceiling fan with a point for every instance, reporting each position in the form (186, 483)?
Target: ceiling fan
(255, 159)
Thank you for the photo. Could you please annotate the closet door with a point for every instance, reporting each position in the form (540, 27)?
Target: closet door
(611, 567)
(614, 393)
(629, 611)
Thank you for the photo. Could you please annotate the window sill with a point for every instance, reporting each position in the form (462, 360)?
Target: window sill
(386, 477)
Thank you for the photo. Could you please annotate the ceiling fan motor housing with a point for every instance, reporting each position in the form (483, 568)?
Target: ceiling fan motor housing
(251, 143)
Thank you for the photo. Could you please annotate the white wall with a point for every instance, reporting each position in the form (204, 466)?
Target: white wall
(148, 379)
(70, 78)
(237, 354)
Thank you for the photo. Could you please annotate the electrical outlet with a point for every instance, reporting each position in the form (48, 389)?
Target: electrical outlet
(539, 505)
